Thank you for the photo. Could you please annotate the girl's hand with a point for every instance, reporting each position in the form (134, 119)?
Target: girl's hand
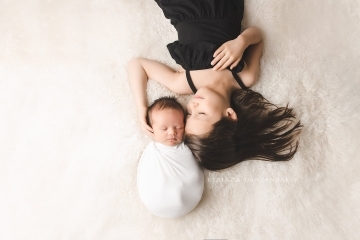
(146, 128)
(230, 53)
(142, 112)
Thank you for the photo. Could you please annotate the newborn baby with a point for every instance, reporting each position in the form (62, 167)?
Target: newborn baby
(169, 181)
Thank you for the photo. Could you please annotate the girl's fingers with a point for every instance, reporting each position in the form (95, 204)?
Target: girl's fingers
(219, 50)
(149, 131)
(235, 63)
(220, 63)
(217, 58)
(148, 128)
(226, 64)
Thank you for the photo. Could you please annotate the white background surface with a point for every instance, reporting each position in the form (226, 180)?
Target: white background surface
(69, 140)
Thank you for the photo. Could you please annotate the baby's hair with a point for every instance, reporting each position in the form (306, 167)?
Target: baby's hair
(164, 103)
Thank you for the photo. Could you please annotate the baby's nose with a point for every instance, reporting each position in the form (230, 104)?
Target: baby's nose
(172, 131)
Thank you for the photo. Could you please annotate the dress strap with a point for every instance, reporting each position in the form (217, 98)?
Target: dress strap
(234, 73)
(238, 79)
(190, 82)
(236, 70)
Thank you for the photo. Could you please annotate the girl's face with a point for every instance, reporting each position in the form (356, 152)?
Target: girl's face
(204, 109)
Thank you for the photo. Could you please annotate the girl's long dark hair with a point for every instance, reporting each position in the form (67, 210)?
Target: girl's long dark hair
(262, 131)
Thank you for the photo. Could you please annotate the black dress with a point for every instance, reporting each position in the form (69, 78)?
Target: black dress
(202, 26)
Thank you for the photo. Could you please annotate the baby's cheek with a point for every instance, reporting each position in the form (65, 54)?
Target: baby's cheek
(158, 135)
(181, 132)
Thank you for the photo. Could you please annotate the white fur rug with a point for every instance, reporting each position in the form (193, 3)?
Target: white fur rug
(70, 144)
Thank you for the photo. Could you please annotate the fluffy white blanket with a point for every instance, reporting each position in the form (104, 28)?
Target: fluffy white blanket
(70, 143)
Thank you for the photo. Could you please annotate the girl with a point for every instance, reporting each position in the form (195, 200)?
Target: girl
(227, 123)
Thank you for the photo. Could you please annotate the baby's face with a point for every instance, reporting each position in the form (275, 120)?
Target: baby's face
(168, 126)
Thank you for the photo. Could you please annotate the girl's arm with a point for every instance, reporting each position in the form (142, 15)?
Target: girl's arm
(250, 74)
(139, 71)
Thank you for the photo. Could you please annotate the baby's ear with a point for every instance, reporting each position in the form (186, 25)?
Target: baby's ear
(230, 113)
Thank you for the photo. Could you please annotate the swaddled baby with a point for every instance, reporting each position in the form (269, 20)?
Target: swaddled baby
(170, 182)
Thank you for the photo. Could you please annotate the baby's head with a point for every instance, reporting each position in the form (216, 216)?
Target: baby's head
(167, 118)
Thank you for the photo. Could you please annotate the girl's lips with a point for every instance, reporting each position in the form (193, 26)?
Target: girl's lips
(197, 96)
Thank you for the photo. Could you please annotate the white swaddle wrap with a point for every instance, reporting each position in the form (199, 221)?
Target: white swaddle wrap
(169, 181)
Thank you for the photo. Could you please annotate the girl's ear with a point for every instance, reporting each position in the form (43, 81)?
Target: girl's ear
(230, 113)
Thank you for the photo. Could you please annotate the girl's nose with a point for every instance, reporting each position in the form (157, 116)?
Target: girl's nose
(195, 104)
